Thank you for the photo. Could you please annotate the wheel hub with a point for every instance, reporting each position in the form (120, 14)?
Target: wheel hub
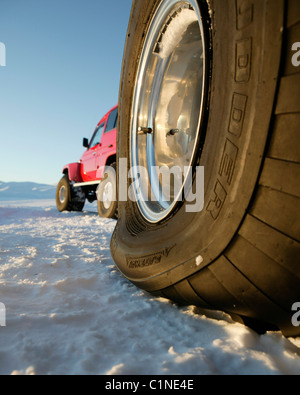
(62, 194)
(167, 107)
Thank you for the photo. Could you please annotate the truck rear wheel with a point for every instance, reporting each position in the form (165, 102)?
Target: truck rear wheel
(238, 104)
(69, 198)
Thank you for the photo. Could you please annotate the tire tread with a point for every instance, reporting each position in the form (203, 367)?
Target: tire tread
(281, 175)
(274, 244)
(272, 279)
(279, 210)
(293, 12)
(286, 132)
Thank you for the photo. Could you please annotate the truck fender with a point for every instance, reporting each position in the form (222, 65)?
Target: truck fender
(74, 171)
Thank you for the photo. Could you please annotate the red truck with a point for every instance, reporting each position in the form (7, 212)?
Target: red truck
(93, 177)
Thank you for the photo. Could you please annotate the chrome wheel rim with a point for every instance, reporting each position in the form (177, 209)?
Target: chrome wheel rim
(167, 107)
(62, 194)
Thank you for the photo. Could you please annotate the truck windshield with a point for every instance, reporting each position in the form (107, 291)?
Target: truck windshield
(112, 121)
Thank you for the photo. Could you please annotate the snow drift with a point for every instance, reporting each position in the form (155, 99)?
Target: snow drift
(69, 310)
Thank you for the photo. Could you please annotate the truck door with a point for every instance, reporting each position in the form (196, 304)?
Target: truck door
(108, 142)
(91, 157)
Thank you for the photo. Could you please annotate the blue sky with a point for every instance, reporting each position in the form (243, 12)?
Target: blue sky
(62, 74)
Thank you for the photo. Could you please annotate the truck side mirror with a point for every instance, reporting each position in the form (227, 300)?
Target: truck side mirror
(86, 143)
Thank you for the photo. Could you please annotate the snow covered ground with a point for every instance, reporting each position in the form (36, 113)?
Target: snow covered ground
(69, 311)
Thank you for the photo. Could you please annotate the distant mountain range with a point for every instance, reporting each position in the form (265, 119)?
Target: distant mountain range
(26, 190)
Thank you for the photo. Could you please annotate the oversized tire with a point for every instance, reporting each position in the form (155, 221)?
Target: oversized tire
(240, 254)
(107, 194)
(69, 198)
